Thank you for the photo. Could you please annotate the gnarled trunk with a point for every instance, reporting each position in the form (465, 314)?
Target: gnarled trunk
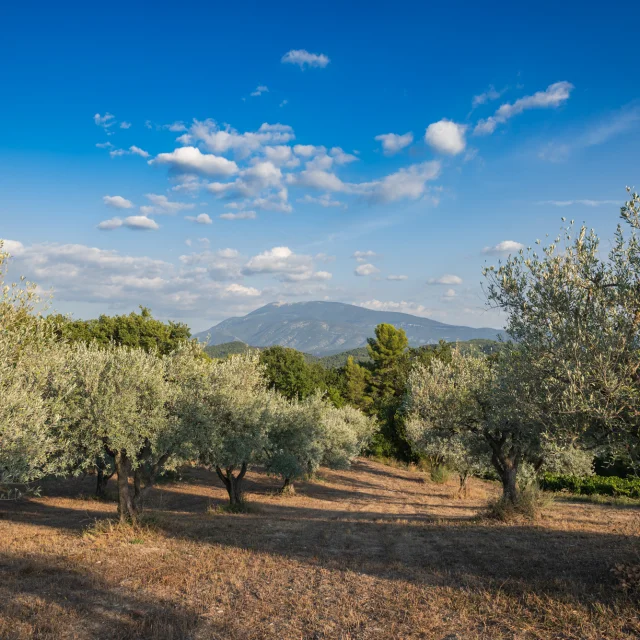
(463, 490)
(232, 483)
(126, 505)
(287, 488)
(505, 458)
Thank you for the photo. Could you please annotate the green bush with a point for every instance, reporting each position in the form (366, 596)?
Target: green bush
(592, 485)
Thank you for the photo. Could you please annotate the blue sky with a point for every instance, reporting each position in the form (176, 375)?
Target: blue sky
(373, 154)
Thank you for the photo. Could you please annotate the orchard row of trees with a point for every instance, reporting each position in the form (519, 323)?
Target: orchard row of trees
(116, 406)
(565, 387)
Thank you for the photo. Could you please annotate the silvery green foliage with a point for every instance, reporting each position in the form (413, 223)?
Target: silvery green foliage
(117, 404)
(575, 314)
(346, 432)
(296, 445)
(445, 418)
(28, 355)
(233, 413)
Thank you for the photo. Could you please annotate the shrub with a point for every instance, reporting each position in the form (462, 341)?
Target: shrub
(592, 485)
(528, 504)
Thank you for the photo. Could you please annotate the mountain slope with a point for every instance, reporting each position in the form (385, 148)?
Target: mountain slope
(324, 328)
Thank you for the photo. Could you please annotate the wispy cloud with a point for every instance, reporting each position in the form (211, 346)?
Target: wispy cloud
(553, 96)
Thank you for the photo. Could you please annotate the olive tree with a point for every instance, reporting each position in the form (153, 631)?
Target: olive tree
(28, 356)
(116, 408)
(234, 420)
(485, 408)
(574, 311)
(295, 444)
(346, 431)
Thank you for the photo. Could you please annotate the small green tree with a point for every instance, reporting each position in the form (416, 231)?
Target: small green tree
(346, 432)
(356, 381)
(287, 371)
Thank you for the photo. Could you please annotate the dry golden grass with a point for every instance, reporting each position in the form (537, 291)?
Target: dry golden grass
(375, 552)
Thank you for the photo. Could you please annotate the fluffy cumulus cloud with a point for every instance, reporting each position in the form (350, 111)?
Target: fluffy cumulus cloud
(303, 58)
(142, 223)
(446, 136)
(447, 278)
(236, 289)
(160, 205)
(366, 269)
(448, 295)
(201, 218)
(503, 248)
(259, 90)
(117, 202)
(192, 160)
(393, 143)
(553, 96)
(409, 183)
(284, 264)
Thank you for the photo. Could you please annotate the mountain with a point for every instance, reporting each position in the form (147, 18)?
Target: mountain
(325, 328)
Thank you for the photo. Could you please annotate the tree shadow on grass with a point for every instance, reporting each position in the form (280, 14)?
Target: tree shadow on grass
(569, 566)
(85, 606)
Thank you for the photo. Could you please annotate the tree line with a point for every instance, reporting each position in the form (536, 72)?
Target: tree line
(136, 396)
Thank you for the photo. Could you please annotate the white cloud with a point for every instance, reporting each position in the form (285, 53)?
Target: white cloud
(447, 278)
(125, 125)
(285, 265)
(281, 156)
(323, 200)
(118, 202)
(192, 160)
(303, 58)
(504, 247)
(259, 90)
(308, 150)
(105, 121)
(201, 218)
(109, 225)
(240, 290)
(162, 205)
(487, 96)
(397, 278)
(251, 181)
(448, 295)
(341, 157)
(131, 151)
(400, 307)
(283, 103)
(13, 247)
(446, 136)
(553, 96)
(393, 142)
(409, 182)
(366, 269)
(140, 222)
(104, 145)
(241, 215)
(218, 140)
(363, 256)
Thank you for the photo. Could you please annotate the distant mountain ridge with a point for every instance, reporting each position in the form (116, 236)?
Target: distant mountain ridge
(325, 328)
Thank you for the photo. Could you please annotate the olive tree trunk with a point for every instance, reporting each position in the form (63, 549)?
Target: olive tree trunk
(126, 504)
(233, 484)
(287, 487)
(505, 458)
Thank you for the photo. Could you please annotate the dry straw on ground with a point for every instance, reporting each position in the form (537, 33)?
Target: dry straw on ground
(375, 552)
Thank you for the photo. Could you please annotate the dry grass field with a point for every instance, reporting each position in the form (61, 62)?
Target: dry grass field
(374, 552)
